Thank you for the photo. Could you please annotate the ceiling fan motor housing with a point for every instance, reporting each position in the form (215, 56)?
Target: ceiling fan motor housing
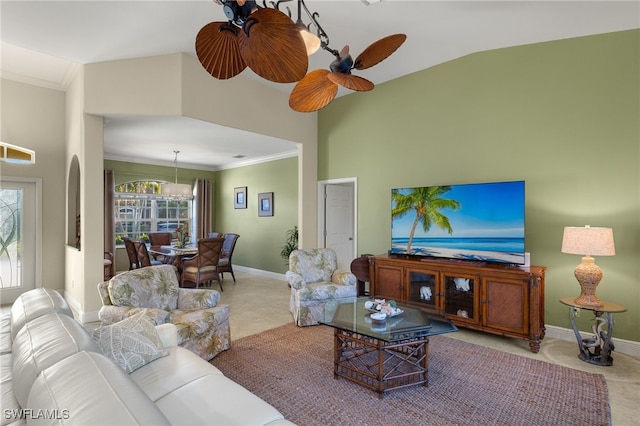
(342, 64)
(236, 13)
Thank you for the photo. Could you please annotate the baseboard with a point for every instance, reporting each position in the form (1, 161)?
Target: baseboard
(273, 275)
(627, 347)
(82, 316)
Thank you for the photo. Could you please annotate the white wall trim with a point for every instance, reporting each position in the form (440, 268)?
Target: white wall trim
(267, 274)
(627, 347)
(623, 346)
(76, 307)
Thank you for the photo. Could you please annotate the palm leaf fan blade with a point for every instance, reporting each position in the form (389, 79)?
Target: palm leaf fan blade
(313, 92)
(218, 50)
(273, 47)
(350, 81)
(379, 51)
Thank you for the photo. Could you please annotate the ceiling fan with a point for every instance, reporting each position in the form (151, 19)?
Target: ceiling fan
(319, 87)
(264, 39)
(271, 44)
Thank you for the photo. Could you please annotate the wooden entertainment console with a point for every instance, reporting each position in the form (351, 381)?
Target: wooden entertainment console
(494, 298)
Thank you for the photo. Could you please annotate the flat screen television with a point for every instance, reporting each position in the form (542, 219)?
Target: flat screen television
(475, 222)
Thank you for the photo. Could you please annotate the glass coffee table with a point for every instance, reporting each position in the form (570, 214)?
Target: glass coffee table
(383, 355)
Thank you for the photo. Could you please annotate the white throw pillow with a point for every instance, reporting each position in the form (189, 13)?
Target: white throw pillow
(130, 343)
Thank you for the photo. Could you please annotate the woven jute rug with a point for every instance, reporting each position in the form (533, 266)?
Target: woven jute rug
(292, 369)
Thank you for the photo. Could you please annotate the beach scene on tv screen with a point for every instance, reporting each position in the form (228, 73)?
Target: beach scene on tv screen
(483, 221)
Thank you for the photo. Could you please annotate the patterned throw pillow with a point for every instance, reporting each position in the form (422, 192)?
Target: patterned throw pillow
(130, 343)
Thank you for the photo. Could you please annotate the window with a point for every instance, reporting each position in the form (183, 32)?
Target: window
(141, 209)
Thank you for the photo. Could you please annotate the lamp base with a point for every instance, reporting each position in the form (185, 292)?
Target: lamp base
(588, 275)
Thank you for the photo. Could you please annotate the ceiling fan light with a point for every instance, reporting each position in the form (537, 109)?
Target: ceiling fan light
(311, 41)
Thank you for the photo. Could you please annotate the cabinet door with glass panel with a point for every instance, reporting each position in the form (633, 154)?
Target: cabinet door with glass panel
(461, 294)
(424, 289)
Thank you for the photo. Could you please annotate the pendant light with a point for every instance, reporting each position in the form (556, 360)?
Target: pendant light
(176, 189)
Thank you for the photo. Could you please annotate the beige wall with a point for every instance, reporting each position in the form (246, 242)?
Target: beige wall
(34, 117)
(564, 116)
(178, 85)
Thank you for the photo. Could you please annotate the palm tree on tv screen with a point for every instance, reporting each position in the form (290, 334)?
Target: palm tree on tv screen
(427, 203)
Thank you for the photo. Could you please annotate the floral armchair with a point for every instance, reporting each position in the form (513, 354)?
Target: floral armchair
(317, 286)
(203, 324)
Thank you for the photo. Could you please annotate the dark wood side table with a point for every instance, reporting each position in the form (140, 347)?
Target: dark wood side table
(596, 349)
(360, 268)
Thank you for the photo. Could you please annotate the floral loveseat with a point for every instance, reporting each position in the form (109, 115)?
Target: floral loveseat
(317, 286)
(203, 325)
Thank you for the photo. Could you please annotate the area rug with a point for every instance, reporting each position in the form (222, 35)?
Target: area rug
(292, 369)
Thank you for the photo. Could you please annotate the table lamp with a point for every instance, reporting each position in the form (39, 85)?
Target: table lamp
(588, 241)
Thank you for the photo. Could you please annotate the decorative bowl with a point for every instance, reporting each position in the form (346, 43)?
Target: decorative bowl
(378, 316)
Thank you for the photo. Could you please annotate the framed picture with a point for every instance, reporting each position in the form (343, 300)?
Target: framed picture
(240, 197)
(265, 204)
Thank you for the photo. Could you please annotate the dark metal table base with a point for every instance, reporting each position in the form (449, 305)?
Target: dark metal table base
(596, 349)
(378, 365)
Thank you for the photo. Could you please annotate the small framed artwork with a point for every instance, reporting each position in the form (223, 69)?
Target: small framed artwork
(240, 197)
(265, 204)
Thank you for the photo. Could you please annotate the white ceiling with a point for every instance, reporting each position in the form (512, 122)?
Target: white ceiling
(44, 41)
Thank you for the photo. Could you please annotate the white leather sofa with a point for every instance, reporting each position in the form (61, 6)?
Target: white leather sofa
(53, 372)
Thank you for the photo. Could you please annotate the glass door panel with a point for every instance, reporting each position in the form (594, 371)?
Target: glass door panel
(422, 288)
(460, 296)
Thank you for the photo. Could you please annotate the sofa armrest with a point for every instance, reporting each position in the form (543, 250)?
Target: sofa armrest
(112, 314)
(168, 334)
(103, 290)
(343, 277)
(295, 280)
(196, 298)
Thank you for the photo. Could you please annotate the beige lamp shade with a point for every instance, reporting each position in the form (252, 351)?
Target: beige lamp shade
(589, 241)
(311, 41)
(176, 189)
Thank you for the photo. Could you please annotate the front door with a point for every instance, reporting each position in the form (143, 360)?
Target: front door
(18, 219)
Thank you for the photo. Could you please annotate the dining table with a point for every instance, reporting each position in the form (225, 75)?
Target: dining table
(173, 255)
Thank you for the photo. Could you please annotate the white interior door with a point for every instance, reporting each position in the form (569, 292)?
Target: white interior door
(18, 236)
(339, 222)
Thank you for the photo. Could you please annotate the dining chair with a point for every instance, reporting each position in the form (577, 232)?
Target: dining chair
(156, 241)
(131, 253)
(203, 267)
(143, 255)
(215, 234)
(108, 265)
(225, 265)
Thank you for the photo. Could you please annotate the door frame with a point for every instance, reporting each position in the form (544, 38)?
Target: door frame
(37, 182)
(321, 209)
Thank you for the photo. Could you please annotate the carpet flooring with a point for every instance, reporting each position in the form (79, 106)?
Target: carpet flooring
(292, 369)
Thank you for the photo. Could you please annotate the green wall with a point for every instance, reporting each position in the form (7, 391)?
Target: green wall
(261, 238)
(564, 116)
